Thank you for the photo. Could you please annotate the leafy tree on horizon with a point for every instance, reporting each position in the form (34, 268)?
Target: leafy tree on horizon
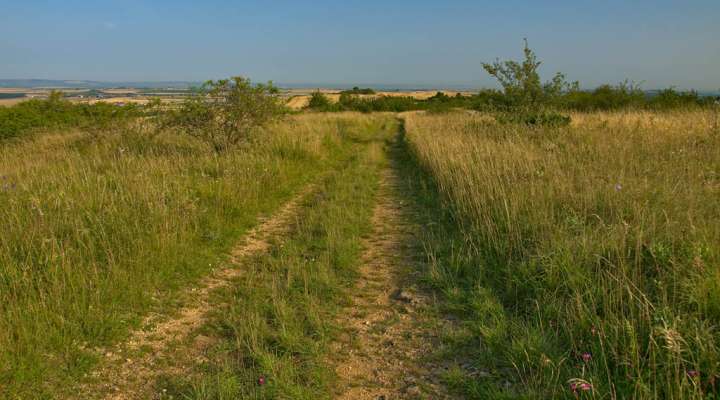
(227, 111)
(521, 81)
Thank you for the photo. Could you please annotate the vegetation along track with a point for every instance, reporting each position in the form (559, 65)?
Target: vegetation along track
(384, 353)
(339, 272)
(132, 367)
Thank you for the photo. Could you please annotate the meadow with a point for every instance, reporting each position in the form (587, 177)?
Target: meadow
(569, 250)
(583, 260)
(101, 230)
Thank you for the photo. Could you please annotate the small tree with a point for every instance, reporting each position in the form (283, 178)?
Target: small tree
(318, 101)
(521, 81)
(227, 111)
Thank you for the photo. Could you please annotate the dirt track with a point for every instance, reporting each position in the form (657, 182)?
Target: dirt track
(382, 356)
(129, 371)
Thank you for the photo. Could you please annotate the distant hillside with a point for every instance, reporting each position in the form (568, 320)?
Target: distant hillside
(51, 83)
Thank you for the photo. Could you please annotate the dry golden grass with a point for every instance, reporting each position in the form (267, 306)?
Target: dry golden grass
(298, 102)
(14, 90)
(121, 91)
(12, 102)
(600, 238)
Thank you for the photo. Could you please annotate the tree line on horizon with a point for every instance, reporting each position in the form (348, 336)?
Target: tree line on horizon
(522, 90)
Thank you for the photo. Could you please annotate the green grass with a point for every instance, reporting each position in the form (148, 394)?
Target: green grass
(98, 230)
(278, 319)
(544, 244)
(597, 239)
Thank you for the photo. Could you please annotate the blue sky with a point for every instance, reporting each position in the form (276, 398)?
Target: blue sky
(660, 43)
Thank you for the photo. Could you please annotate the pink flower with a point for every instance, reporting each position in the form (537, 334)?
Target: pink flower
(261, 380)
(573, 386)
(585, 387)
(586, 357)
(693, 373)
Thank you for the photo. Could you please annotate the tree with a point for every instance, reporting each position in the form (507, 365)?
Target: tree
(318, 101)
(521, 80)
(227, 111)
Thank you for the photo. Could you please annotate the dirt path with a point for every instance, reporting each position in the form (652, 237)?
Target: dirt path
(131, 369)
(382, 355)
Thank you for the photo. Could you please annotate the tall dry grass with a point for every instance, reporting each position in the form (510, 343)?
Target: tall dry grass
(99, 229)
(588, 257)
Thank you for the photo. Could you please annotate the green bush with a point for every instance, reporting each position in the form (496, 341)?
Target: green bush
(605, 97)
(319, 101)
(548, 119)
(521, 82)
(55, 112)
(670, 98)
(357, 90)
(224, 113)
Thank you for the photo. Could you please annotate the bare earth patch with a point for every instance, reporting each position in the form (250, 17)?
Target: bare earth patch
(165, 347)
(383, 356)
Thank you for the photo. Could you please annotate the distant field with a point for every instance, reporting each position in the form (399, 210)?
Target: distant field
(299, 98)
(13, 101)
(15, 90)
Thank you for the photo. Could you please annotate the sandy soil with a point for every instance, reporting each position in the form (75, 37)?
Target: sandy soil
(12, 102)
(382, 356)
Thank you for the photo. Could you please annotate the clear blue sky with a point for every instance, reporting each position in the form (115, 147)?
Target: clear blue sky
(658, 42)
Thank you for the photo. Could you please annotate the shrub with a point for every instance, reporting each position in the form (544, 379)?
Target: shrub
(225, 112)
(521, 81)
(318, 101)
(56, 112)
(549, 119)
(441, 97)
(357, 90)
(670, 98)
(605, 97)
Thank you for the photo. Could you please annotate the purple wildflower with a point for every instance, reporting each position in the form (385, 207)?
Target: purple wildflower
(585, 387)
(586, 357)
(693, 373)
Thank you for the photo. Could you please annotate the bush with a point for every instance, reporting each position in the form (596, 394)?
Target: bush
(56, 112)
(605, 97)
(670, 98)
(318, 101)
(548, 119)
(225, 112)
(357, 90)
(521, 82)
